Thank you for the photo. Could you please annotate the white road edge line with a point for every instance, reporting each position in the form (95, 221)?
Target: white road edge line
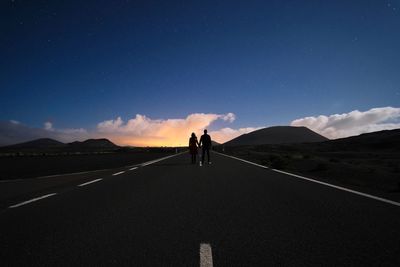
(157, 160)
(90, 182)
(134, 168)
(205, 255)
(388, 201)
(341, 188)
(249, 162)
(31, 200)
(118, 173)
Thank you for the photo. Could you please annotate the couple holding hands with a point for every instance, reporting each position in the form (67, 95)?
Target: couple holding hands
(205, 144)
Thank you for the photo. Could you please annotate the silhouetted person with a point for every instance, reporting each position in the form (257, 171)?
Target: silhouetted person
(205, 142)
(193, 143)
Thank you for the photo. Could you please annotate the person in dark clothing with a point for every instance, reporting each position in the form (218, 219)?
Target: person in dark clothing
(193, 143)
(205, 142)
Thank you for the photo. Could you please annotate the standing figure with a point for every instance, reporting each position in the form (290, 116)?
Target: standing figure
(193, 143)
(205, 140)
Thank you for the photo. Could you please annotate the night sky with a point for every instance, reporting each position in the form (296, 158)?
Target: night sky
(78, 63)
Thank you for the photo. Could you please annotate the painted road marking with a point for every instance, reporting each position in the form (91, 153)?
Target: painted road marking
(118, 173)
(91, 182)
(75, 173)
(157, 160)
(341, 188)
(134, 168)
(205, 255)
(51, 176)
(319, 182)
(246, 161)
(31, 200)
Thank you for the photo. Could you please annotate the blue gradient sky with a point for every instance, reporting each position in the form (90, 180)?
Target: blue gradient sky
(77, 63)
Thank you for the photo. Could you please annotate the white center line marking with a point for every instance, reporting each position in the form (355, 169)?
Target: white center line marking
(134, 168)
(118, 173)
(157, 160)
(90, 182)
(205, 255)
(31, 200)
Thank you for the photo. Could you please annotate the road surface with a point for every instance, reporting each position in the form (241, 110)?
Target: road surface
(172, 213)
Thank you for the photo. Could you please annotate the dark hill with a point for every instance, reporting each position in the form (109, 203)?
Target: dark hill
(94, 143)
(387, 139)
(47, 145)
(277, 135)
(41, 143)
(214, 143)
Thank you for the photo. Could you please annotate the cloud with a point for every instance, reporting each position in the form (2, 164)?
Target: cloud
(226, 134)
(12, 132)
(48, 126)
(144, 131)
(229, 117)
(137, 131)
(352, 123)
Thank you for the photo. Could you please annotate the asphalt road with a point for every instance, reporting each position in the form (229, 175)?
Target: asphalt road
(172, 213)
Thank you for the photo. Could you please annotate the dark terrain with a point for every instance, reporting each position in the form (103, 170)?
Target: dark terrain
(45, 156)
(277, 135)
(369, 162)
(50, 146)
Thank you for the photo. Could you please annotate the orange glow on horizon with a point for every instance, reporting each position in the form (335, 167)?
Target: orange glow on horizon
(142, 131)
(170, 141)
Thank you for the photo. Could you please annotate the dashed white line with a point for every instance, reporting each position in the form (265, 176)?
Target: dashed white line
(205, 255)
(31, 200)
(147, 163)
(319, 182)
(157, 160)
(91, 182)
(50, 176)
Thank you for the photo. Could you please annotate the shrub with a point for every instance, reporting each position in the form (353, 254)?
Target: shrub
(321, 167)
(264, 162)
(278, 162)
(396, 169)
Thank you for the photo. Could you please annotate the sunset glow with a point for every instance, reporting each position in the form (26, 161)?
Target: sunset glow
(144, 131)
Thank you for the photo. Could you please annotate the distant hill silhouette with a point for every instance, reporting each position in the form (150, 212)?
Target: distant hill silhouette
(47, 145)
(38, 144)
(277, 135)
(214, 143)
(94, 143)
(387, 139)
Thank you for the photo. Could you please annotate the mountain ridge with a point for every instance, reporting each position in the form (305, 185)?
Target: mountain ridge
(38, 143)
(52, 145)
(277, 135)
